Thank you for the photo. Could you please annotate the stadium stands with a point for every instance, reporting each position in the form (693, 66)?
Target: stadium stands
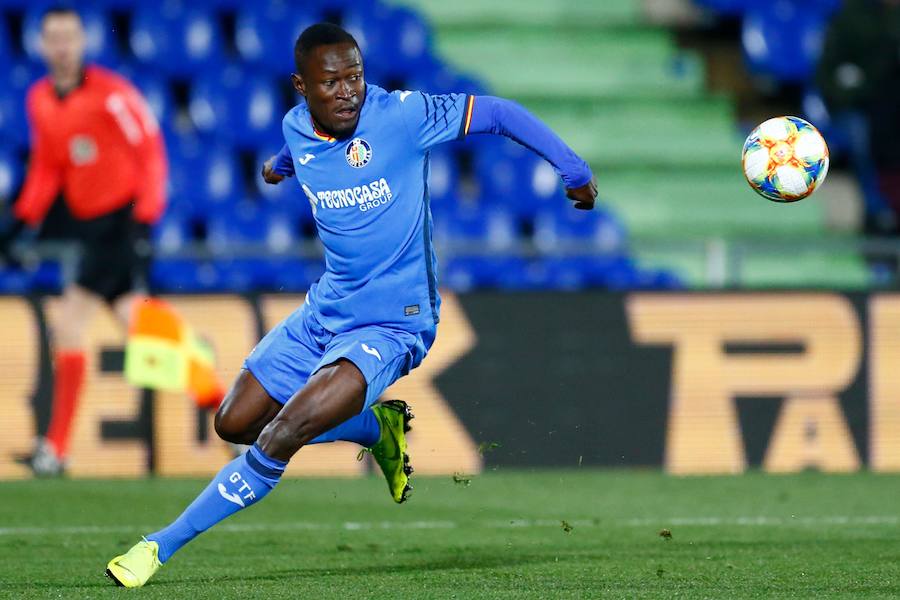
(666, 151)
(620, 91)
(216, 75)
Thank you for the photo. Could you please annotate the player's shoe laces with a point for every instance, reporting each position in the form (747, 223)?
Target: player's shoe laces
(390, 451)
(136, 566)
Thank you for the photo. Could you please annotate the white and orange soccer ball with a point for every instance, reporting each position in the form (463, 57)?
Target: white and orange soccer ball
(785, 159)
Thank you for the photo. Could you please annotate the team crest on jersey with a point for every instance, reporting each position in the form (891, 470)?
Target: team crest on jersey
(82, 150)
(359, 153)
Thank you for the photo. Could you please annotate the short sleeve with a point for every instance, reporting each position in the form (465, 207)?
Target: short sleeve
(433, 119)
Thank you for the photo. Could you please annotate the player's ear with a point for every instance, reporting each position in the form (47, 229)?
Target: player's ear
(299, 85)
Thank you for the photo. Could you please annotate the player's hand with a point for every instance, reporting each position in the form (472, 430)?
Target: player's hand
(584, 196)
(269, 174)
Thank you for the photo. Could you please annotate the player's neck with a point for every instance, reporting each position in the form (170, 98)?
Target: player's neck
(66, 80)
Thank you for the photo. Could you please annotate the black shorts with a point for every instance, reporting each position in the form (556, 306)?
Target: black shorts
(112, 263)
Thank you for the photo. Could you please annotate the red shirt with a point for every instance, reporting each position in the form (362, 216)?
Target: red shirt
(99, 145)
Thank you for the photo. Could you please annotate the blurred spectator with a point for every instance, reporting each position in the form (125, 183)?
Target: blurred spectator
(97, 149)
(858, 77)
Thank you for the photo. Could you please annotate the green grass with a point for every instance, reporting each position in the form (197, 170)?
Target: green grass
(502, 536)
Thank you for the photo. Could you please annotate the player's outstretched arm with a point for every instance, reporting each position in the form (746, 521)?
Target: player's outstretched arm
(278, 167)
(504, 117)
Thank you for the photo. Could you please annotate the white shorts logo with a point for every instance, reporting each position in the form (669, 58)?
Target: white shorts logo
(371, 351)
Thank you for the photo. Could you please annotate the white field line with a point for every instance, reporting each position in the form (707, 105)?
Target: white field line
(759, 521)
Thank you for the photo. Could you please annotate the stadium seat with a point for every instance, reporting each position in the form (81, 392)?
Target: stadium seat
(286, 199)
(236, 224)
(99, 34)
(293, 274)
(515, 178)
(443, 180)
(783, 39)
(396, 40)
(265, 35)
(466, 225)
(202, 178)
(725, 7)
(14, 281)
(181, 275)
(156, 90)
(173, 232)
(566, 228)
(463, 273)
(177, 40)
(243, 109)
(11, 174)
(13, 124)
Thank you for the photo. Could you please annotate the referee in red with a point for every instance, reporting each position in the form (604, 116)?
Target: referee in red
(98, 148)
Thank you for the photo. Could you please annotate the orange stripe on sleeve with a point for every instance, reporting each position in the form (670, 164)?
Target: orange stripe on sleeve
(469, 114)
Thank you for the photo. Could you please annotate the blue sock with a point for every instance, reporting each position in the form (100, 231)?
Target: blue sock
(244, 481)
(362, 429)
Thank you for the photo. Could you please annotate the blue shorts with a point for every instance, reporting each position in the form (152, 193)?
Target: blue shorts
(296, 348)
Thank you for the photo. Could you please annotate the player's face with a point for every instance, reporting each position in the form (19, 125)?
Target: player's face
(332, 83)
(62, 42)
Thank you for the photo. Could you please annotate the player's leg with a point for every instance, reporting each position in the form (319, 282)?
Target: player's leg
(247, 408)
(279, 366)
(384, 355)
(333, 395)
(77, 307)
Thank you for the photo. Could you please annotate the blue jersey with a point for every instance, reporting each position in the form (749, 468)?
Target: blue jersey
(369, 197)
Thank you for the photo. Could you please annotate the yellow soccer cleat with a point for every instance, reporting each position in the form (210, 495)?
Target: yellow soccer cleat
(390, 451)
(136, 566)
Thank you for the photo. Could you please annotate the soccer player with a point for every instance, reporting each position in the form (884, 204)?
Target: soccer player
(360, 155)
(97, 147)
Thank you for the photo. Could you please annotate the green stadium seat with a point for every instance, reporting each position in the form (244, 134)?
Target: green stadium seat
(568, 13)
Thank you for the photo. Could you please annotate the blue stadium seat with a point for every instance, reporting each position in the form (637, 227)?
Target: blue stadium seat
(286, 200)
(292, 274)
(202, 178)
(245, 110)
(237, 223)
(47, 277)
(13, 124)
(173, 232)
(265, 35)
(185, 276)
(99, 36)
(470, 225)
(396, 41)
(177, 40)
(11, 173)
(14, 281)
(783, 39)
(725, 7)
(443, 180)
(514, 178)
(464, 273)
(564, 227)
(156, 91)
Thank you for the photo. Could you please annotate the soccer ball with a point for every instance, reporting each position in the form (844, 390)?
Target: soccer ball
(785, 159)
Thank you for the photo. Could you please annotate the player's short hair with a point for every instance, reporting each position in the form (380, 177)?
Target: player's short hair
(320, 34)
(56, 10)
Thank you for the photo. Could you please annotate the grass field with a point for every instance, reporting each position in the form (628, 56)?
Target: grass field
(548, 534)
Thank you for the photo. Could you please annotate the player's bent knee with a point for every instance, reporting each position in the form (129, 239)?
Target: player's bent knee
(230, 429)
(283, 437)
